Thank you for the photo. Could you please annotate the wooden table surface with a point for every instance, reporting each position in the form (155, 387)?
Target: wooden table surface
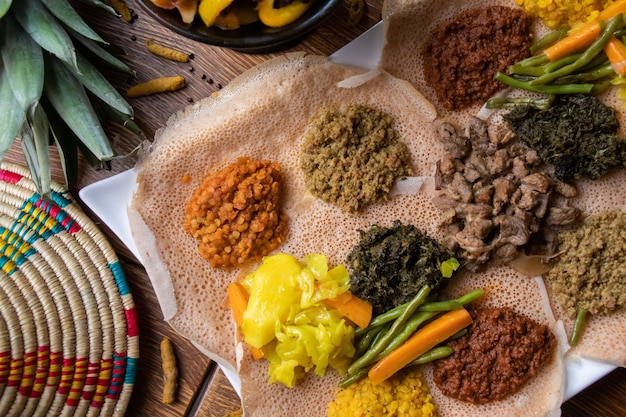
(203, 389)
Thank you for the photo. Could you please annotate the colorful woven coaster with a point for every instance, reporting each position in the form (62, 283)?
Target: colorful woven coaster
(68, 324)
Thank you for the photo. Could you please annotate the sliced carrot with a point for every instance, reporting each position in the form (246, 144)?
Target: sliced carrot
(357, 310)
(616, 52)
(581, 38)
(238, 298)
(575, 41)
(613, 10)
(419, 343)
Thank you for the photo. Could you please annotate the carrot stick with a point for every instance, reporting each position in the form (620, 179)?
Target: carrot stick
(583, 37)
(358, 311)
(613, 10)
(238, 298)
(419, 343)
(575, 41)
(616, 52)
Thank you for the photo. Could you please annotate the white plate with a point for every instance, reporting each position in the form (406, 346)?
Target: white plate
(109, 198)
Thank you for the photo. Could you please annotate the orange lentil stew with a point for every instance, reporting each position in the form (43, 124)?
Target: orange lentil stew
(235, 214)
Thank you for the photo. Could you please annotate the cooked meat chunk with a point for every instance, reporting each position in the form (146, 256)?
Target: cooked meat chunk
(512, 230)
(538, 181)
(453, 143)
(461, 188)
(565, 189)
(559, 216)
(479, 137)
(496, 195)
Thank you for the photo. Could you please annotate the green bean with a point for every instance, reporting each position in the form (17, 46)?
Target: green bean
(353, 377)
(579, 324)
(410, 327)
(594, 49)
(471, 296)
(535, 71)
(435, 353)
(507, 102)
(534, 61)
(383, 318)
(601, 87)
(599, 61)
(389, 315)
(559, 63)
(380, 345)
(367, 339)
(587, 77)
(446, 305)
(550, 39)
(545, 89)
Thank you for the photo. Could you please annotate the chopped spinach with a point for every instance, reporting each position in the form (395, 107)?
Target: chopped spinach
(577, 134)
(390, 265)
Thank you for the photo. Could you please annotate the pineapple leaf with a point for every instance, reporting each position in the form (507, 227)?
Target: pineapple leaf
(66, 143)
(102, 5)
(44, 28)
(64, 11)
(100, 52)
(94, 81)
(12, 114)
(35, 135)
(69, 99)
(4, 7)
(23, 63)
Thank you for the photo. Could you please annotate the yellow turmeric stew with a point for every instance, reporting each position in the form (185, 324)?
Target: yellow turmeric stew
(287, 318)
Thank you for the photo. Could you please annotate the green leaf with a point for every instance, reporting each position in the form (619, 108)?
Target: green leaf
(35, 137)
(23, 63)
(94, 81)
(4, 7)
(44, 28)
(100, 52)
(11, 112)
(64, 11)
(448, 267)
(102, 5)
(67, 145)
(69, 99)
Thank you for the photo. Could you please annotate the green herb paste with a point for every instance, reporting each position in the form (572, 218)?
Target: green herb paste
(390, 265)
(353, 157)
(577, 134)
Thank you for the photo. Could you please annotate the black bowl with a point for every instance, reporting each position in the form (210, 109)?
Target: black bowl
(252, 38)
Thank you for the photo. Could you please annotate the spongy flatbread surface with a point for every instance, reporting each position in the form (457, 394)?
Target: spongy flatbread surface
(264, 114)
(408, 24)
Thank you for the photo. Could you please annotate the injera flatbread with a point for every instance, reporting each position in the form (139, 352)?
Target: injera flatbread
(263, 114)
(408, 23)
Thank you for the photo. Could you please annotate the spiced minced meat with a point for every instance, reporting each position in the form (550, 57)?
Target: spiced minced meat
(236, 213)
(463, 54)
(353, 157)
(502, 350)
(590, 271)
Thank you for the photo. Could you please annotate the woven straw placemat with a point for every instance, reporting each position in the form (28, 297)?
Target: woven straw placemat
(68, 324)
